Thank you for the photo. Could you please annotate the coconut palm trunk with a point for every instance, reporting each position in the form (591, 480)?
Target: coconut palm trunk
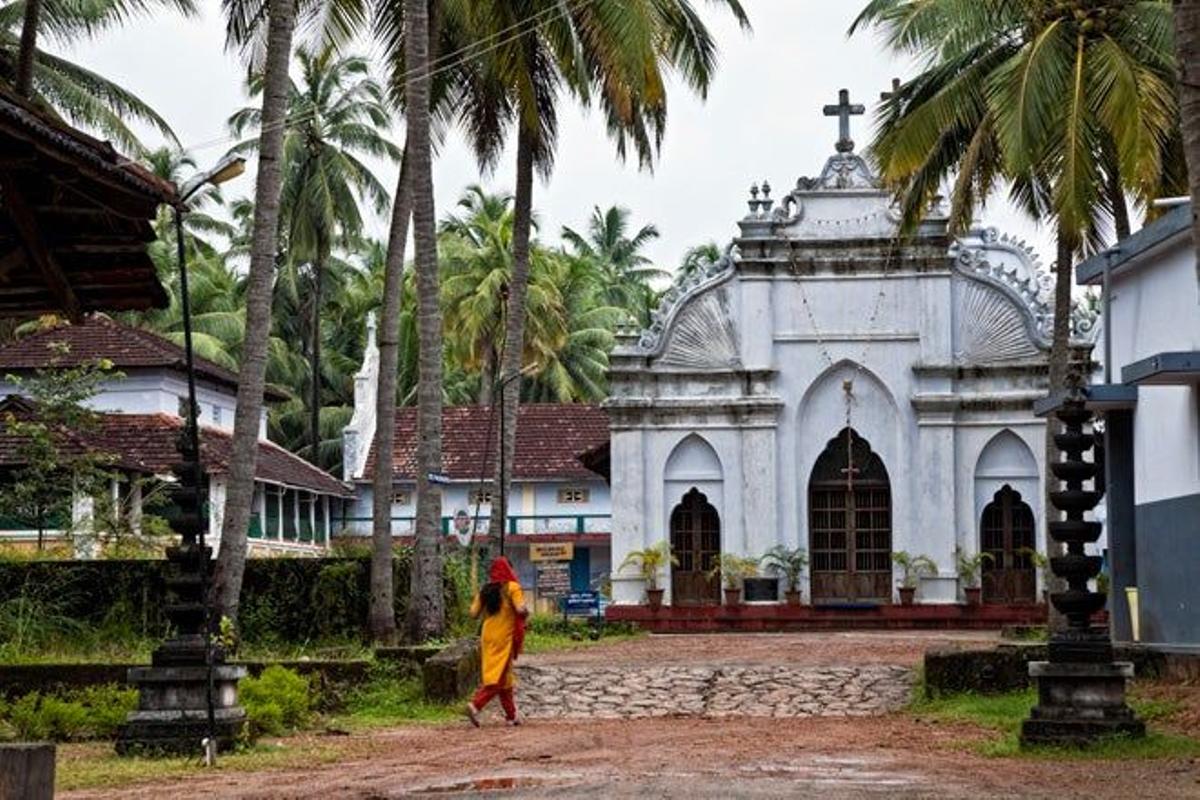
(426, 608)
(1187, 49)
(314, 411)
(382, 613)
(28, 52)
(231, 560)
(514, 333)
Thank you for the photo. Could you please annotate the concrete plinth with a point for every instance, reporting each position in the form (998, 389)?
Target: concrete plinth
(1079, 703)
(172, 714)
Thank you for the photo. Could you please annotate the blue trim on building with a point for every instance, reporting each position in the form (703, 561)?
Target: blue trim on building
(1164, 369)
(1174, 222)
(1168, 561)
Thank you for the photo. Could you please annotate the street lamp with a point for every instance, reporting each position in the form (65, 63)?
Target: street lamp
(193, 528)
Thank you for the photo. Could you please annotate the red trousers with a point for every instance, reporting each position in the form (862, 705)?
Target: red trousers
(485, 695)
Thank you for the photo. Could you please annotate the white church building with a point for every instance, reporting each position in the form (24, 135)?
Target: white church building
(828, 386)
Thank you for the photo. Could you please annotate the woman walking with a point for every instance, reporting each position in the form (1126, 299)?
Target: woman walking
(502, 604)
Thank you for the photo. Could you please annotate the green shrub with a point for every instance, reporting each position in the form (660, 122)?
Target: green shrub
(92, 713)
(276, 701)
(336, 602)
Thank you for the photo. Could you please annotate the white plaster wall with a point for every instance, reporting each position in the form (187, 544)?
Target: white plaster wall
(1155, 309)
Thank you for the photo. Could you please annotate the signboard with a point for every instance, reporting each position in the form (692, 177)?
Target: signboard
(553, 578)
(581, 604)
(551, 551)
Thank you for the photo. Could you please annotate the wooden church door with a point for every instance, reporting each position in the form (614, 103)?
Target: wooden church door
(1007, 535)
(850, 524)
(696, 544)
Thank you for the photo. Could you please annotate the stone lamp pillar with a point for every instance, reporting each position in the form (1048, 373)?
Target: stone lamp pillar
(189, 693)
(1081, 690)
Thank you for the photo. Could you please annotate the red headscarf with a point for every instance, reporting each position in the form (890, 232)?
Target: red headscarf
(502, 571)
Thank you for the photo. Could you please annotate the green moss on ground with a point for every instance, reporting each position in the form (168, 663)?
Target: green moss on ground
(1003, 714)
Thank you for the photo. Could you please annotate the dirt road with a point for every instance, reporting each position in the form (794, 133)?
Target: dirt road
(895, 755)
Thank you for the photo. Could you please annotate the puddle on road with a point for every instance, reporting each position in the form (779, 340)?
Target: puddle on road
(838, 771)
(495, 783)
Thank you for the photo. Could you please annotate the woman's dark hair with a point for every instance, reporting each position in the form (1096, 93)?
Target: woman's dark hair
(490, 594)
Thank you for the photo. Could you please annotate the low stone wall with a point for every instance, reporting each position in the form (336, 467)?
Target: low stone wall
(1005, 668)
(454, 672)
(22, 679)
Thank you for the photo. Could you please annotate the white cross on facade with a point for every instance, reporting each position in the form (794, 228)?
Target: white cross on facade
(843, 111)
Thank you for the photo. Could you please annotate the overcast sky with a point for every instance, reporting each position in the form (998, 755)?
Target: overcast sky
(762, 120)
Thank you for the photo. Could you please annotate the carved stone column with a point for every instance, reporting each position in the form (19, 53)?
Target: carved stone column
(1081, 690)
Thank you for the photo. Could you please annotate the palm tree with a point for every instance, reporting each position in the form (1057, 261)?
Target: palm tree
(575, 371)
(336, 115)
(231, 561)
(81, 96)
(1187, 49)
(626, 272)
(616, 51)
(697, 258)
(426, 608)
(476, 263)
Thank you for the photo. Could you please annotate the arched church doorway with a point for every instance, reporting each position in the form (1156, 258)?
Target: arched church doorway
(1007, 535)
(696, 545)
(850, 523)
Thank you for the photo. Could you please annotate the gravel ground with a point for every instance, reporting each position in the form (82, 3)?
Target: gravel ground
(895, 755)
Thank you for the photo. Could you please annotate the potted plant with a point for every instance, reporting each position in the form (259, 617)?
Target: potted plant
(648, 563)
(969, 568)
(912, 568)
(790, 563)
(733, 569)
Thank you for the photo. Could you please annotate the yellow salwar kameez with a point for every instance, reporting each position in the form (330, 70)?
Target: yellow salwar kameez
(496, 641)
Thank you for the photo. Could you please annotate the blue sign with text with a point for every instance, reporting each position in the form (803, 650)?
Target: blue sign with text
(581, 604)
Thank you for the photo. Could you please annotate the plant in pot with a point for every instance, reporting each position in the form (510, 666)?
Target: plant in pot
(969, 568)
(912, 568)
(733, 569)
(649, 562)
(788, 562)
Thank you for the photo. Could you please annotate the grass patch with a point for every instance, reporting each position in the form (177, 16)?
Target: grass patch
(96, 766)
(1003, 713)
(391, 695)
(545, 634)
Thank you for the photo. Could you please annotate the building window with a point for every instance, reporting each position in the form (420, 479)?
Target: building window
(480, 497)
(216, 415)
(402, 497)
(573, 496)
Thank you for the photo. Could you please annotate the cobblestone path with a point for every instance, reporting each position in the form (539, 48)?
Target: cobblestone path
(718, 691)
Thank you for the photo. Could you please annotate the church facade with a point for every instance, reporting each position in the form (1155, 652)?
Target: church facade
(828, 386)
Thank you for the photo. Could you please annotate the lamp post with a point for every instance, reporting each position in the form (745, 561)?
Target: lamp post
(193, 528)
(183, 675)
(502, 489)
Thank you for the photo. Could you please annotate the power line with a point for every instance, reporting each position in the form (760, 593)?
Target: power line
(452, 60)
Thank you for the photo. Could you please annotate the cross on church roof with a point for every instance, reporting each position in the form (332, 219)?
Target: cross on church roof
(843, 111)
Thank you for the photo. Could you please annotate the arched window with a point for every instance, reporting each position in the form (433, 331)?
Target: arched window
(850, 523)
(1006, 533)
(696, 545)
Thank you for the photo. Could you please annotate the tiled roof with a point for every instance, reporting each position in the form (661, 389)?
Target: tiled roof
(147, 443)
(127, 347)
(550, 439)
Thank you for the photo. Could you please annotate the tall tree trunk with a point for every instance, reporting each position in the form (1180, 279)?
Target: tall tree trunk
(231, 560)
(28, 52)
(1115, 190)
(514, 334)
(1060, 358)
(487, 381)
(1187, 53)
(426, 613)
(314, 411)
(382, 614)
